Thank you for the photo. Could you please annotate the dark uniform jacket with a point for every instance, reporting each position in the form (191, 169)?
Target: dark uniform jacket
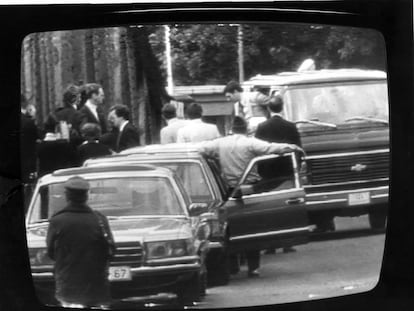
(128, 138)
(76, 242)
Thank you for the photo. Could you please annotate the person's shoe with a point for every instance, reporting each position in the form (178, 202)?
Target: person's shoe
(289, 250)
(253, 274)
(270, 251)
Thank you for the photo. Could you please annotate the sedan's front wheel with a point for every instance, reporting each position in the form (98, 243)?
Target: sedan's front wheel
(191, 290)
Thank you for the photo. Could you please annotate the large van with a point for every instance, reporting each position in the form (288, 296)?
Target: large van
(342, 118)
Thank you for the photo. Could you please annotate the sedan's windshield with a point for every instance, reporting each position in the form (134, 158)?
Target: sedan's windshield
(193, 179)
(337, 103)
(114, 197)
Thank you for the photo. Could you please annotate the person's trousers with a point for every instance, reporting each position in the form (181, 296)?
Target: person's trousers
(253, 259)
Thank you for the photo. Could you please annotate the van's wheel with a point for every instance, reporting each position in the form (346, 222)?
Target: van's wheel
(191, 290)
(377, 220)
(324, 224)
(219, 270)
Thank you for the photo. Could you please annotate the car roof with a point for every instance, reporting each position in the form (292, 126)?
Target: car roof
(316, 76)
(110, 170)
(179, 148)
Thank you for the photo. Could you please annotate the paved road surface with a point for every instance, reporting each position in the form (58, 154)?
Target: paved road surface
(348, 261)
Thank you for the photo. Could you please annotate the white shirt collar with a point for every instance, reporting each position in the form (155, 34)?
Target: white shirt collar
(123, 125)
(272, 114)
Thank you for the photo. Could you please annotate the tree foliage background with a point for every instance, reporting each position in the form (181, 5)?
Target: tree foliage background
(208, 54)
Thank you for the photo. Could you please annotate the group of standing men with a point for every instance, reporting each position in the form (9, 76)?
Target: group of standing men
(74, 132)
(258, 128)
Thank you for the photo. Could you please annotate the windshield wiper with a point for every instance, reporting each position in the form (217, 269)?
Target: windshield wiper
(361, 118)
(330, 125)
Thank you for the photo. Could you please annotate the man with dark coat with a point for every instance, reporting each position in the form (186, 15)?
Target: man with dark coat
(28, 139)
(91, 147)
(127, 134)
(92, 111)
(278, 130)
(70, 114)
(80, 241)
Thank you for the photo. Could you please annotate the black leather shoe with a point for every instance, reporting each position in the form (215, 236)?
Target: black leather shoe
(253, 274)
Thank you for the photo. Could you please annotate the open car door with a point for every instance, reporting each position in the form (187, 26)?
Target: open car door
(269, 212)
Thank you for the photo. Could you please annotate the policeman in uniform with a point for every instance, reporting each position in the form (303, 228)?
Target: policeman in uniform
(80, 241)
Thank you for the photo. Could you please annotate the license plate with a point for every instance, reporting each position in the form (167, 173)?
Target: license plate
(119, 274)
(359, 198)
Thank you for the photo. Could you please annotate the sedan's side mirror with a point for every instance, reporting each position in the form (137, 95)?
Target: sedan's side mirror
(242, 190)
(195, 209)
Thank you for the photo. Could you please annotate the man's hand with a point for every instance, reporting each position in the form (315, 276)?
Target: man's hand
(292, 148)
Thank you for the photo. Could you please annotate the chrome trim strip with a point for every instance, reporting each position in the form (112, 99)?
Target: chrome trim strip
(189, 266)
(42, 275)
(172, 260)
(215, 245)
(326, 202)
(346, 183)
(347, 191)
(170, 268)
(270, 233)
(332, 155)
(263, 194)
(378, 196)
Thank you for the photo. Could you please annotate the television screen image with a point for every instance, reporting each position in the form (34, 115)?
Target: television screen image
(169, 159)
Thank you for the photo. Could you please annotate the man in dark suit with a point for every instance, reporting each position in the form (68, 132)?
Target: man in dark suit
(128, 135)
(92, 112)
(278, 130)
(29, 135)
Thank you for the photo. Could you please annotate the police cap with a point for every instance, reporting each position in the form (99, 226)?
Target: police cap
(77, 183)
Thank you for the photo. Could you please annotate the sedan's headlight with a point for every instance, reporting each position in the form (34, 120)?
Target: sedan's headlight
(39, 257)
(163, 249)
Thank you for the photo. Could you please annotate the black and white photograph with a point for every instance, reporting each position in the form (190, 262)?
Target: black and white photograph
(204, 164)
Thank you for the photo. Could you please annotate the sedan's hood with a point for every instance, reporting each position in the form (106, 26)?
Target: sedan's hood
(131, 229)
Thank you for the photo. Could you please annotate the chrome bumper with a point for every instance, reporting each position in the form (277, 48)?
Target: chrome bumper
(146, 270)
(340, 199)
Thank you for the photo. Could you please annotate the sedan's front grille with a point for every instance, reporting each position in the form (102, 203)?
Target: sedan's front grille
(127, 254)
(360, 166)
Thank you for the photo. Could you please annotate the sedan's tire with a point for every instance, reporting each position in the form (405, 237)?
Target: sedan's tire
(219, 270)
(190, 291)
(377, 220)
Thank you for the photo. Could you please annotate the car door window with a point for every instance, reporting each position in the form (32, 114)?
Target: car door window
(271, 173)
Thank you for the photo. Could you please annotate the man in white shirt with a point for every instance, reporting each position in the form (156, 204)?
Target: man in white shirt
(92, 112)
(234, 153)
(168, 133)
(249, 105)
(196, 130)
